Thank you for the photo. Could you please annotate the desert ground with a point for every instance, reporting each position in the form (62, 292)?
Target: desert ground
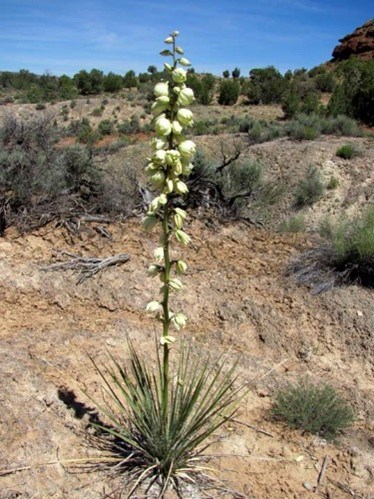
(239, 298)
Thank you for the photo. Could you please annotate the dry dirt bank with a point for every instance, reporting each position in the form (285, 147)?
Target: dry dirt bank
(237, 298)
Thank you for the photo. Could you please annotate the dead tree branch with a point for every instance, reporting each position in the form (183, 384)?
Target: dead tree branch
(227, 160)
(87, 266)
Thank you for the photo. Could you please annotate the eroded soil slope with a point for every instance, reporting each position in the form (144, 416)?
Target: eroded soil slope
(237, 298)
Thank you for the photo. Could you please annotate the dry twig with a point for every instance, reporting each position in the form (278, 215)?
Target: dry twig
(259, 430)
(87, 266)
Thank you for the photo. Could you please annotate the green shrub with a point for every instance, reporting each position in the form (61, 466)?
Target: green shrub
(105, 127)
(304, 127)
(347, 151)
(326, 227)
(355, 93)
(341, 125)
(228, 92)
(294, 224)
(310, 189)
(353, 248)
(316, 409)
(97, 112)
(266, 86)
(332, 183)
(129, 126)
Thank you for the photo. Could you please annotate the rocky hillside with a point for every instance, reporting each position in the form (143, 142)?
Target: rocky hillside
(360, 43)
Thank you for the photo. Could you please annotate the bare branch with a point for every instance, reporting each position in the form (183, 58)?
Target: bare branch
(87, 266)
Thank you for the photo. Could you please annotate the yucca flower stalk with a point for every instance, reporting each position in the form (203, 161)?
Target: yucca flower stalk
(168, 166)
(160, 417)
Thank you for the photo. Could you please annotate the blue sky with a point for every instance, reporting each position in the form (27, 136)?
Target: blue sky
(64, 36)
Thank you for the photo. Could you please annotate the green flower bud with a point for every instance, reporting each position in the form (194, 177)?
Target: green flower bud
(172, 156)
(179, 50)
(159, 254)
(179, 320)
(163, 126)
(149, 222)
(154, 270)
(179, 217)
(186, 97)
(187, 168)
(169, 186)
(181, 267)
(175, 284)
(179, 75)
(182, 237)
(160, 105)
(157, 144)
(184, 61)
(167, 66)
(157, 203)
(161, 89)
(176, 127)
(187, 148)
(180, 187)
(185, 117)
(159, 156)
(174, 33)
(158, 178)
(169, 39)
(167, 340)
(153, 306)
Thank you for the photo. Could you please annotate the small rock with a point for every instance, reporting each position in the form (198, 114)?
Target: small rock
(263, 393)
(308, 486)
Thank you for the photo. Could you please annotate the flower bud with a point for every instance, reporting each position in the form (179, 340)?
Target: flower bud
(157, 144)
(169, 39)
(159, 254)
(153, 306)
(161, 89)
(159, 156)
(163, 126)
(169, 186)
(179, 217)
(185, 117)
(174, 33)
(187, 168)
(179, 75)
(180, 187)
(149, 222)
(179, 50)
(187, 148)
(158, 178)
(182, 237)
(176, 127)
(172, 156)
(157, 203)
(160, 105)
(186, 97)
(184, 61)
(181, 267)
(175, 284)
(154, 270)
(179, 320)
(167, 340)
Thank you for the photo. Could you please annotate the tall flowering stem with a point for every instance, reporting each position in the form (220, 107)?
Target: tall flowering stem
(168, 167)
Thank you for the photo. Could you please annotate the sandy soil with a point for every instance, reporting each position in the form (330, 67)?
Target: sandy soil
(237, 298)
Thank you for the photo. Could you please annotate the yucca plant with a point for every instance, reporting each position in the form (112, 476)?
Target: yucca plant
(161, 418)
